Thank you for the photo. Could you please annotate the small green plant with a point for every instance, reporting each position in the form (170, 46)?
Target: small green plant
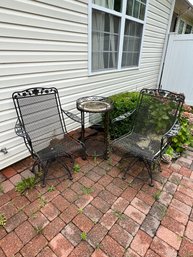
(21, 208)
(87, 190)
(76, 168)
(80, 210)
(83, 236)
(156, 195)
(119, 214)
(27, 183)
(175, 180)
(42, 201)
(3, 220)
(38, 230)
(51, 188)
(97, 247)
(33, 215)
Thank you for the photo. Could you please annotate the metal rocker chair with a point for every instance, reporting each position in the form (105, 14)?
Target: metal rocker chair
(42, 126)
(154, 123)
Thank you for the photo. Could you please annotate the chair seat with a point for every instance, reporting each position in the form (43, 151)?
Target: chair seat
(145, 147)
(58, 148)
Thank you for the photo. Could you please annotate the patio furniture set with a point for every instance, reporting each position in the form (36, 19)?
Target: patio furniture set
(42, 125)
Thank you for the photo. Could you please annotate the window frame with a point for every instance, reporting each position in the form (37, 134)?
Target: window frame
(184, 26)
(123, 16)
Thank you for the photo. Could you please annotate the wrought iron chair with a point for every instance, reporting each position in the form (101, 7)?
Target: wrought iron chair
(154, 123)
(42, 126)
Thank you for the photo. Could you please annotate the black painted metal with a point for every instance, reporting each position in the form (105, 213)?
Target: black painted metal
(96, 105)
(41, 124)
(155, 121)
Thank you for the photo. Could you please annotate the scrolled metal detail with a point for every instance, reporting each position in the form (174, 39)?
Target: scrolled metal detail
(165, 94)
(34, 92)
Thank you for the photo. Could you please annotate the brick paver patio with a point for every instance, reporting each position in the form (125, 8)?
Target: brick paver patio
(120, 218)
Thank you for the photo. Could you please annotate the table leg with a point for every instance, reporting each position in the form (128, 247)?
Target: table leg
(107, 136)
(82, 128)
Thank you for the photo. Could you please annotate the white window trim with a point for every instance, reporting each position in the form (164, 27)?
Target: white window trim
(123, 18)
(184, 27)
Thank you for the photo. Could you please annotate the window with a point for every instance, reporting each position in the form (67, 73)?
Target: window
(181, 27)
(184, 28)
(117, 29)
(188, 29)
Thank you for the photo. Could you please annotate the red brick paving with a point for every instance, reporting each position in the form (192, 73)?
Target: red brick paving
(173, 225)
(135, 214)
(46, 252)
(141, 243)
(120, 218)
(11, 244)
(61, 246)
(162, 248)
(9, 172)
(169, 237)
(98, 253)
(83, 222)
(112, 247)
(34, 246)
(189, 230)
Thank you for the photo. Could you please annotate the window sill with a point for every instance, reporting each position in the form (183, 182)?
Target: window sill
(112, 71)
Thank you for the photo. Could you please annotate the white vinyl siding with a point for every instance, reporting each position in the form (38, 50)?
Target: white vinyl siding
(45, 43)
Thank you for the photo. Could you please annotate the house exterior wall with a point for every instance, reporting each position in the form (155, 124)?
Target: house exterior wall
(183, 12)
(45, 43)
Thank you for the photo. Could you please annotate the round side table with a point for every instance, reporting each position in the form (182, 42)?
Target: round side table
(95, 104)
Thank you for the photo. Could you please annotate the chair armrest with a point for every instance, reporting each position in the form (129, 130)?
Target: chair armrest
(19, 130)
(72, 116)
(174, 130)
(123, 116)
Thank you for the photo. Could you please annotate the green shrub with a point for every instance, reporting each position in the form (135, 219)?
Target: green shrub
(184, 137)
(123, 102)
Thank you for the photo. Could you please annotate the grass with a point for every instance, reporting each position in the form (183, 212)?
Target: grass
(26, 183)
(119, 215)
(87, 190)
(83, 236)
(51, 188)
(80, 210)
(38, 230)
(42, 201)
(156, 195)
(3, 220)
(175, 180)
(76, 168)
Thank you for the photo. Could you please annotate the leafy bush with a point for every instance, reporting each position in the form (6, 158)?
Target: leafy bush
(184, 137)
(123, 102)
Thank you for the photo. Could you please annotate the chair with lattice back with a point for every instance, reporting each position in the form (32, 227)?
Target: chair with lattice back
(42, 125)
(154, 123)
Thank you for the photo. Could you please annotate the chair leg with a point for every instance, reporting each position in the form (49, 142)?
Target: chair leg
(131, 164)
(34, 165)
(45, 172)
(66, 167)
(84, 156)
(148, 165)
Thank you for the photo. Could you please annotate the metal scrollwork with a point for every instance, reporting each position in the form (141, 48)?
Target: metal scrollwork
(34, 92)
